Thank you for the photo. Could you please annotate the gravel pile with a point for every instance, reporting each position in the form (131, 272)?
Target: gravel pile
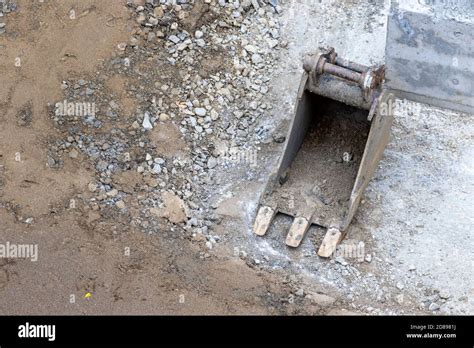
(201, 69)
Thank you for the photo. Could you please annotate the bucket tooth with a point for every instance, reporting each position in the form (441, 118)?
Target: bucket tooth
(262, 221)
(331, 240)
(297, 231)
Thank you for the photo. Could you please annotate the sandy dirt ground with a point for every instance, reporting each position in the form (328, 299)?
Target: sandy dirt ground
(133, 210)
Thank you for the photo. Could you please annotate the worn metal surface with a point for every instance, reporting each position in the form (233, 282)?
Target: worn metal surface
(376, 142)
(346, 92)
(342, 72)
(351, 65)
(430, 60)
(298, 128)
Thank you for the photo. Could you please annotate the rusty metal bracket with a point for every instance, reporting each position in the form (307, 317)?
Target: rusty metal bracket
(326, 61)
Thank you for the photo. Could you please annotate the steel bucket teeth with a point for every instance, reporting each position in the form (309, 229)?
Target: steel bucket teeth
(332, 238)
(297, 231)
(262, 221)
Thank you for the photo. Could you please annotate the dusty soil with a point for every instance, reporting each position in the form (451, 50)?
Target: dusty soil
(113, 239)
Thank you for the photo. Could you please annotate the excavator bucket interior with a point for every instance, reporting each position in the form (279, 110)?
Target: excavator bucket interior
(335, 141)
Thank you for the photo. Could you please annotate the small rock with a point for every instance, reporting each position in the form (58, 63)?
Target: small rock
(92, 187)
(146, 122)
(251, 49)
(211, 162)
(444, 294)
(156, 169)
(102, 165)
(174, 39)
(158, 12)
(433, 307)
(141, 18)
(73, 153)
(175, 209)
(198, 34)
(200, 112)
(151, 36)
(214, 115)
(272, 43)
(257, 58)
(199, 237)
(51, 162)
(120, 204)
(200, 43)
(164, 117)
(112, 193)
(339, 259)
(181, 46)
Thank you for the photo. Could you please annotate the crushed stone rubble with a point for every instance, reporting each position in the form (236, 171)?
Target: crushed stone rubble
(208, 65)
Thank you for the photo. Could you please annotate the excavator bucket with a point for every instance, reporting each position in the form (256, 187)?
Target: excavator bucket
(336, 138)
